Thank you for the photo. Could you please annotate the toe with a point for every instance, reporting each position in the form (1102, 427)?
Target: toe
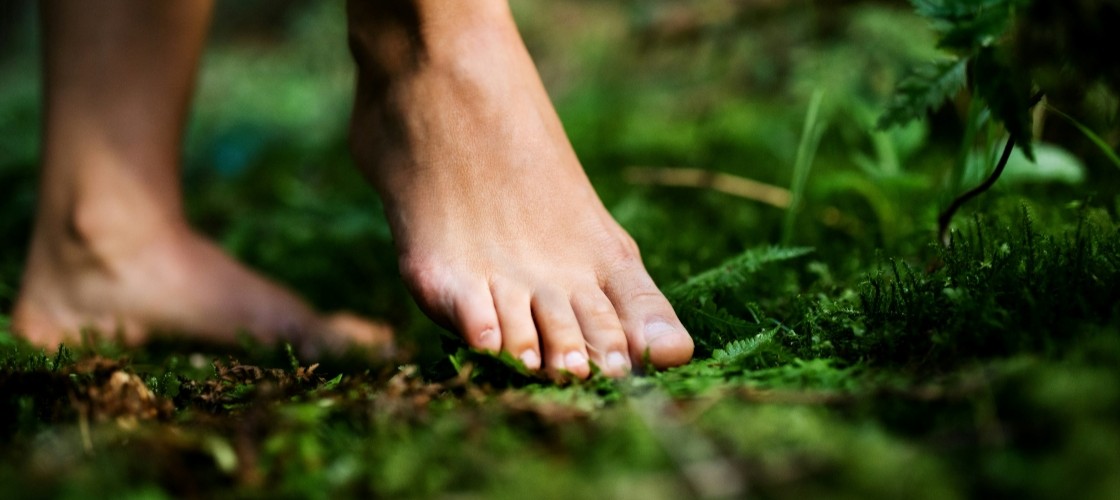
(341, 330)
(602, 330)
(473, 314)
(462, 304)
(515, 318)
(36, 327)
(561, 338)
(648, 319)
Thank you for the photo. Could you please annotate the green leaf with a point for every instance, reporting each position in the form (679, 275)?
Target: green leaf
(332, 383)
(1051, 164)
(1007, 94)
(927, 87)
(968, 25)
(980, 30)
(955, 10)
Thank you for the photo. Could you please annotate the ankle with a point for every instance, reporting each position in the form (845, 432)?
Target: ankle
(471, 67)
(109, 226)
(104, 226)
(393, 43)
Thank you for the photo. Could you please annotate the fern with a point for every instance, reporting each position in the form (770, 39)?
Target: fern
(973, 30)
(967, 25)
(1007, 93)
(760, 351)
(714, 304)
(735, 271)
(926, 88)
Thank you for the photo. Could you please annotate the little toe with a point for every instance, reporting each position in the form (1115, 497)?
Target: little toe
(474, 316)
(602, 330)
(564, 346)
(650, 323)
(515, 317)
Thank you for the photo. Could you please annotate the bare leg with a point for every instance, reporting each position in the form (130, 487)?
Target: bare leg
(500, 234)
(111, 249)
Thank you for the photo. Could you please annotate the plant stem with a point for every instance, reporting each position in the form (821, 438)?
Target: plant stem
(946, 217)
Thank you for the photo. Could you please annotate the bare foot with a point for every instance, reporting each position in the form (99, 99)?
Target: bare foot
(111, 249)
(135, 280)
(501, 236)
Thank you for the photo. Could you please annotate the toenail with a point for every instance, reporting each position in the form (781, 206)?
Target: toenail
(530, 359)
(658, 328)
(488, 338)
(617, 361)
(575, 360)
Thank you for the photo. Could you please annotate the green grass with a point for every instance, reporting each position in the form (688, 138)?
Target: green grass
(859, 360)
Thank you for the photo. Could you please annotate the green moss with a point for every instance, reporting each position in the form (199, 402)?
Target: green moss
(875, 365)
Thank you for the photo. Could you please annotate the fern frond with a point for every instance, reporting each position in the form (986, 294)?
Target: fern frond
(1007, 93)
(926, 88)
(735, 271)
(713, 305)
(967, 25)
(738, 350)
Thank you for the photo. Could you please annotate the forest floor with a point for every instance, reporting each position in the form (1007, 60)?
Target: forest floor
(842, 352)
(988, 375)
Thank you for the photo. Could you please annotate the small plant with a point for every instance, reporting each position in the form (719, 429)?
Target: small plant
(992, 48)
(714, 304)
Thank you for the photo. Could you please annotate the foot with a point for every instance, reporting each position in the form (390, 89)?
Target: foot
(501, 236)
(117, 279)
(111, 250)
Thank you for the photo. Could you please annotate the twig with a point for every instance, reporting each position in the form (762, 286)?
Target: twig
(699, 178)
(946, 217)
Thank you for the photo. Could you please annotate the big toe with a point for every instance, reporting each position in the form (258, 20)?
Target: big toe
(343, 330)
(652, 328)
(668, 343)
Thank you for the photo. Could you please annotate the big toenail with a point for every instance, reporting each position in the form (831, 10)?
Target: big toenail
(658, 328)
(617, 361)
(575, 360)
(530, 359)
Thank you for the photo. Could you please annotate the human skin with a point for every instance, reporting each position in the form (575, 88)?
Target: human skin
(111, 250)
(500, 235)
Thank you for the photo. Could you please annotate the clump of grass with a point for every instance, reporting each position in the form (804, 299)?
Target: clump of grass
(1002, 287)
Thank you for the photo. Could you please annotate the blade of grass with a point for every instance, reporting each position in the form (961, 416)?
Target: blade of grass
(977, 118)
(1089, 134)
(806, 151)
